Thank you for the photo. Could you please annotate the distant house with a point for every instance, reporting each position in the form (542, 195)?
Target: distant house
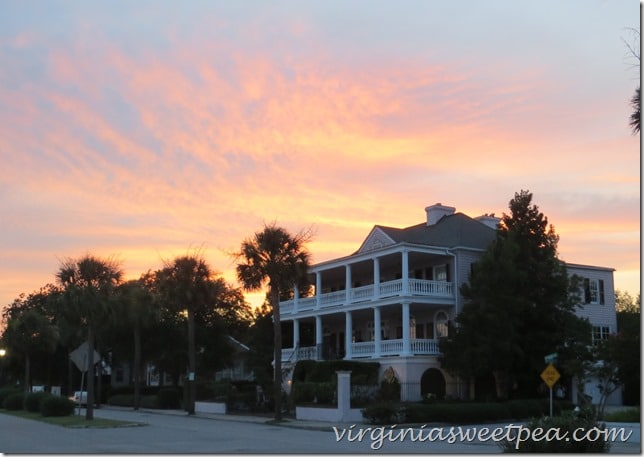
(393, 298)
(239, 369)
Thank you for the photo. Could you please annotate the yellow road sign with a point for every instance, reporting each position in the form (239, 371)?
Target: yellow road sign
(550, 375)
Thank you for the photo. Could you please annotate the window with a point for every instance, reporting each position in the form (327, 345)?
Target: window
(600, 334)
(420, 331)
(594, 291)
(440, 273)
(441, 325)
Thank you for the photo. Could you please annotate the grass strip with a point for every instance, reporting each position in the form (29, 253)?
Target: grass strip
(625, 415)
(74, 421)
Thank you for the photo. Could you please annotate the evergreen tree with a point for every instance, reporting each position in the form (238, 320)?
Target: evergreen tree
(520, 306)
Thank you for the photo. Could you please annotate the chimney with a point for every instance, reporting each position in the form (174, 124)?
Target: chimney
(489, 219)
(436, 212)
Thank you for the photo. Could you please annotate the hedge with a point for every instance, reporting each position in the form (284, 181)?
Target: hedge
(34, 399)
(54, 405)
(14, 402)
(121, 400)
(362, 373)
(313, 392)
(169, 398)
(6, 391)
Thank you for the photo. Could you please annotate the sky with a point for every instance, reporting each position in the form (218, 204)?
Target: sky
(140, 131)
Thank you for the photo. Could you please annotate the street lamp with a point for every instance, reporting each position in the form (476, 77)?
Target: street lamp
(3, 352)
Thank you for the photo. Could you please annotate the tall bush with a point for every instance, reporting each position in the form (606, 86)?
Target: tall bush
(54, 405)
(34, 399)
(14, 402)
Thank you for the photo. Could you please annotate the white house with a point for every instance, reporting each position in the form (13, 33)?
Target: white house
(392, 299)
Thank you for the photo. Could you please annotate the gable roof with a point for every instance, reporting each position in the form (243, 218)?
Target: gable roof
(450, 231)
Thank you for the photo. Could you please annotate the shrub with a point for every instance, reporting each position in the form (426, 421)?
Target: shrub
(53, 405)
(169, 398)
(150, 401)
(121, 400)
(382, 413)
(523, 409)
(389, 391)
(14, 402)
(362, 373)
(221, 390)
(566, 423)
(6, 391)
(324, 393)
(33, 401)
(303, 392)
(121, 390)
(626, 415)
(362, 395)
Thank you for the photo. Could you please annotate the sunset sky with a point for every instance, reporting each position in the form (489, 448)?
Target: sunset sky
(149, 129)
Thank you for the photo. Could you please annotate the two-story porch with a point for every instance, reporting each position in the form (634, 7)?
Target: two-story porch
(404, 291)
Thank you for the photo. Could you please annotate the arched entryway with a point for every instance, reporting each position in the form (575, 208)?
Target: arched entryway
(432, 382)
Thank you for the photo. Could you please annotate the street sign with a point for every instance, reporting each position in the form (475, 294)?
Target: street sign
(550, 358)
(79, 356)
(550, 375)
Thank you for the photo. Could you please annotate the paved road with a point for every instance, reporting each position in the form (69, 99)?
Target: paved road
(181, 434)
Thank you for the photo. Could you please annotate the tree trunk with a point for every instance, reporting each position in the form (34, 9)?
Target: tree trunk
(99, 383)
(27, 373)
(70, 376)
(277, 352)
(192, 362)
(501, 380)
(137, 366)
(89, 412)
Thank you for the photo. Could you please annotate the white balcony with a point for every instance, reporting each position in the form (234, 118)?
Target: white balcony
(415, 288)
(366, 349)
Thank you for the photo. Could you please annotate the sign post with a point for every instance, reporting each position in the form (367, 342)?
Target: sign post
(550, 376)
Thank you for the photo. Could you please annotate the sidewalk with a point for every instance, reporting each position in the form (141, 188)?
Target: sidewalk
(287, 422)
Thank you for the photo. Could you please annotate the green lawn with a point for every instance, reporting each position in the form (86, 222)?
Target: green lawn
(74, 421)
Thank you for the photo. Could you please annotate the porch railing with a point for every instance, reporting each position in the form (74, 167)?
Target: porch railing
(416, 287)
(365, 349)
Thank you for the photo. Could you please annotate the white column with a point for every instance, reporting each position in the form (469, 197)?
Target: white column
(405, 272)
(296, 333)
(376, 278)
(296, 297)
(318, 336)
(405, 327)
(348, 335)
(348, 283)
(344, 394)
(318, 289)
(377, 332)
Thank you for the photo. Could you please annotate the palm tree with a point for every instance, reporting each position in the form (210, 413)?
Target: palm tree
(636, 114)
(88, 285)
(275, 258)
(136, 309)
(185, 285)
